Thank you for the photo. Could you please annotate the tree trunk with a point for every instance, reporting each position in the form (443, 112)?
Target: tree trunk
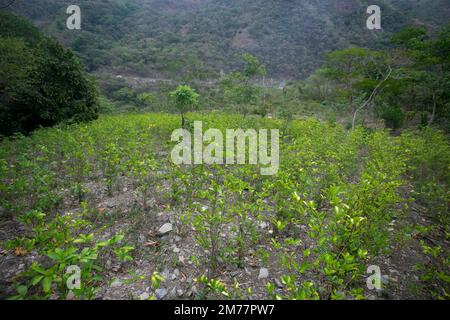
(433, 113)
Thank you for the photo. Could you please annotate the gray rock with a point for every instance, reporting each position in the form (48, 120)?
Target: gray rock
(278, 283)
(175, 274)
(234, 274)
(144, 296)
(192, 292)
(173, 293)
(394, 271)
(160, 293)
(116, 283)
(180, 293)
(263, 273)
(167, 227)
(70, 296)
(165, 273)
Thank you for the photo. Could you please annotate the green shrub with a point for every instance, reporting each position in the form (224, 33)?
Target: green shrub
(393, 117)
(41, 82)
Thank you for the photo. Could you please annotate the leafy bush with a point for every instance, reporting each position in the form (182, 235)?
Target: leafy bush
(42, 83)
(393, 117)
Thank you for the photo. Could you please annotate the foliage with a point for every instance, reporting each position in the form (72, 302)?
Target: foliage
(185, 98)
(324, 215)
(61, 242)
(189, 39)
(42, 82)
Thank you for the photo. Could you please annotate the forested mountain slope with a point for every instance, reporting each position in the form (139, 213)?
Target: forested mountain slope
(172, 37)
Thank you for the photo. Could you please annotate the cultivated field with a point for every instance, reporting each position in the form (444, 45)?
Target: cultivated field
(106, 197)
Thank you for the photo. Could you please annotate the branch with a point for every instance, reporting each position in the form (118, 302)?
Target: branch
(372, 95)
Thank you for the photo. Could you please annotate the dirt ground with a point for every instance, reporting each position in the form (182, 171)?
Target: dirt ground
(170, 254)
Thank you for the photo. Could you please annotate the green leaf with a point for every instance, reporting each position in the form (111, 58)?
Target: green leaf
(22, 290)
(36, 280)
(46, 284)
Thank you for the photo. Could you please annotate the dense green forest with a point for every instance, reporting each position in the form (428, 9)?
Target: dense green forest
(172, 38)
(88, 180)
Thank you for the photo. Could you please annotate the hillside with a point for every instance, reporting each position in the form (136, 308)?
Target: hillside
(118, 207)
(229, 150)
(168, 38)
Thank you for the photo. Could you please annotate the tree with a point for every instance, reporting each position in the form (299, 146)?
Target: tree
(185, 98)
(146, 99)
(41, 82)
(426, 68)
(237, 86)
(317, 86)
(360, 73)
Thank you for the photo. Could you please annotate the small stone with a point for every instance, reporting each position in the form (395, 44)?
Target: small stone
(263, 273)
(176, 250)
(180, 293)
(144, 296)
(165, 273)
(394, 271)
(278, 283)
(175, 274)
(193, 291)
(177, 238)
(116, 283)
(167, 227)
(181, 259)
(234, 274)
(173, 293)
(160, 293)
(70, 296)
